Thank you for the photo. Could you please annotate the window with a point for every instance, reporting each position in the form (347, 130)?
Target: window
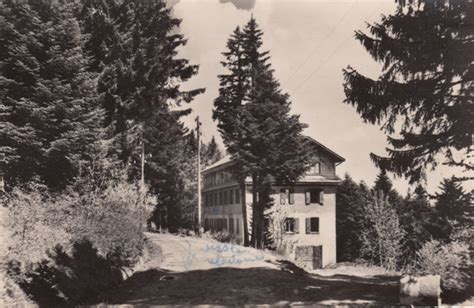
(315, 168)
(231, 225)
(283, 195)
(314, 196)
(206, 199)
(226, 197)
(291, 225)
(221, 198)
(237, 195)
(237, 226)
(287, 195)
(216, 200)
(312, 225)
(231, 196)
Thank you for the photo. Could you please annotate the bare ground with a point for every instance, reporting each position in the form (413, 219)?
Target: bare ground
(185, 276)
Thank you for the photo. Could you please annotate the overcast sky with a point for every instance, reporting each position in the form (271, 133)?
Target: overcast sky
(310, 42)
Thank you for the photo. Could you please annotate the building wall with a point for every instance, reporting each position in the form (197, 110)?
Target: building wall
(222, 204)
(328, 169)
(327, 220)
(218, 214)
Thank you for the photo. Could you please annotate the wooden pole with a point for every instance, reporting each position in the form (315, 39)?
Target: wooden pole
(2, 165)
(198, 130)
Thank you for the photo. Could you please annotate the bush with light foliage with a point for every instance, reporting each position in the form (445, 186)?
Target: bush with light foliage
(451, 261)
(42, 228)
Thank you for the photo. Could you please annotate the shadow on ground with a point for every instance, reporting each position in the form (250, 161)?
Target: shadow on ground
(232, 286)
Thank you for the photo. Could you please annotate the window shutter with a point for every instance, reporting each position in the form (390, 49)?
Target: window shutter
(321, 197)
(291, 197)
(282, 196)
(308, 225)
(297, 225)
(308, 197)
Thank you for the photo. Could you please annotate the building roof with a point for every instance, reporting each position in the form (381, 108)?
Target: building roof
(224, 160)
(338, 158)
(227, 158)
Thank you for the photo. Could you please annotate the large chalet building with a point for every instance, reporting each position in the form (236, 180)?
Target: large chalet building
(311, 221)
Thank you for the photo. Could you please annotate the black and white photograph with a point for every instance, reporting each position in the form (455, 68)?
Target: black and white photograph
(223, 153)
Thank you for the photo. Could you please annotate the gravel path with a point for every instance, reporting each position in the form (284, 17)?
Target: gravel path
(181, 254)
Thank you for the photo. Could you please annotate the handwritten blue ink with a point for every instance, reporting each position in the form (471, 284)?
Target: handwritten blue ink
(188, 258)
(219, 260)
(221, 248)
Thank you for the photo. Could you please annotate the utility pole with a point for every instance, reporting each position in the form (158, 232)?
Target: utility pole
(2, 166)
(198, 130)
(142, 181)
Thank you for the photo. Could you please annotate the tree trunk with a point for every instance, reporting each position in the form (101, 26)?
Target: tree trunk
(245, 230)
(255, 214)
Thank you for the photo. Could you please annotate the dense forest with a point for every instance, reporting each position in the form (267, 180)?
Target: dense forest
(413, 233)
(89, 91)
(95, 149)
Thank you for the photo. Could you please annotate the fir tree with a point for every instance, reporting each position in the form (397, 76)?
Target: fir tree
(211, 152)
(140, 89)
(264, 140)
(49, 115)
(453, 210)
(350, 203)
(383, 183)
(415, 216)
(425, 91)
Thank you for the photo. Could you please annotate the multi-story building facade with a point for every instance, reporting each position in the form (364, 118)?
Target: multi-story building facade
(311, 202)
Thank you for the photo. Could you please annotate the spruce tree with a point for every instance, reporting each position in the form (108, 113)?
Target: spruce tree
(211, 152)
(453, 210)
(264, 140)
(415, 214)
(140, 90)
(350, 202)
(425, 92)
(49, 115)
(383, 183)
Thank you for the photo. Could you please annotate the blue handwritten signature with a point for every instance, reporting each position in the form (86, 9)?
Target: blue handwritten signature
(188, 257)
(221, 255)
(219, 260)
(221, 248)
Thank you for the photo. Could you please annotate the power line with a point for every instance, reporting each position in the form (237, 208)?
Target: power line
(334, 51)
(317, 47)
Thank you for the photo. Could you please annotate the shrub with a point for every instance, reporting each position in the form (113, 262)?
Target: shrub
(78, 277)
(382, 236)
(31, 225)
(450, 261)
(223, 236)
(46, 235)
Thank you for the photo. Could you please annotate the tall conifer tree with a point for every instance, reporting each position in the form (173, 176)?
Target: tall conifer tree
(425, 92)
(135, 44)
(49, 114)
(264, 140)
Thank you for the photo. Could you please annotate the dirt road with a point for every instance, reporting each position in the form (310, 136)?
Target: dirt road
(196, 271)
(190, 253)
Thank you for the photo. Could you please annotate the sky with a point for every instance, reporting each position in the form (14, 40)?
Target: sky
(310, 43)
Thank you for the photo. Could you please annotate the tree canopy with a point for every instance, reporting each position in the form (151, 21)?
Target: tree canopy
(49, 115)
(424, 97)
(134, 45)
(253, 116)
